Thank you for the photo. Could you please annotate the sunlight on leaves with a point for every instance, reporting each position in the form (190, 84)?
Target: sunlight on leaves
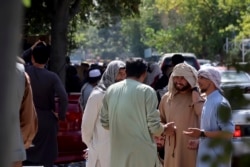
(26, 3)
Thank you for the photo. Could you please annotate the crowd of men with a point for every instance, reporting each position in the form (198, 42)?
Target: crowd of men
(126, 121)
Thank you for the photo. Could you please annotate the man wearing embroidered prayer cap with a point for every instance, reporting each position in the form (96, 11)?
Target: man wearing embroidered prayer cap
(92, 80)
(216, 122)
(182, 104)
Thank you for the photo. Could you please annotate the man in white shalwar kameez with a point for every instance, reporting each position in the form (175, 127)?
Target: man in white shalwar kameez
(94, 135)
(130, 113)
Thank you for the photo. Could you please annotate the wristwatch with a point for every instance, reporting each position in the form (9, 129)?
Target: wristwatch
(195, 89)
(202, 134)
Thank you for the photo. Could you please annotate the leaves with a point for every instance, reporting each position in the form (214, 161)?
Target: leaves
(26, 3)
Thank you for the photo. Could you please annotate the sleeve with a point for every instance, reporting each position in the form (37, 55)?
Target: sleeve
(89, 117)
(162, 110)
(27, 55)
(86, 97)
(28, 117)
(62, 98)
(105, 113)
(81, 98)
(153, 115)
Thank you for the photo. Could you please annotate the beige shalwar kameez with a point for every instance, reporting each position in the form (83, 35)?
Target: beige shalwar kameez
(179, 107)
(180, 111)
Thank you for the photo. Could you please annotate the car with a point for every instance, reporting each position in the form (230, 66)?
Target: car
(153, 58)
(70, 145)
(190, 58)
(235, 84)
(204, 61)
(241, 137)
(236, 87)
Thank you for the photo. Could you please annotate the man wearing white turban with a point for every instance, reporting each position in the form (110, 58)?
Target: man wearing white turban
(216, 122)
(182, 104)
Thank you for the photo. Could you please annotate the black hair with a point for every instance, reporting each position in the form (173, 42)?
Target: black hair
(41, 53)
(176, 59)
(136, 67)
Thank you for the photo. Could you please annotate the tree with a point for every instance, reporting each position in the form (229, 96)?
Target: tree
(55, 15)
(134, 29)
(11, 16)
(196, 26)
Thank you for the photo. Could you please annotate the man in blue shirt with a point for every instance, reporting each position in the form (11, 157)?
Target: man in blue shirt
(216, 123)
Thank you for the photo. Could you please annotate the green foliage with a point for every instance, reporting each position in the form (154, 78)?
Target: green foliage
(105, 42)
(197, 26)
(220, 158)
(181, 26)
(26, 3)
(224, 113)
(37, 22)
(103, 13)
(245, 25)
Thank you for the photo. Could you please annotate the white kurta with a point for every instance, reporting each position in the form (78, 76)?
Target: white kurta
(93, 134)
(129, 111)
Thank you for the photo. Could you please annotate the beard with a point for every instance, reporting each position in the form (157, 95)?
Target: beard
(183, 88)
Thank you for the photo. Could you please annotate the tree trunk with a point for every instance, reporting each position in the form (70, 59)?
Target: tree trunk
(59, 29)
(10, 31)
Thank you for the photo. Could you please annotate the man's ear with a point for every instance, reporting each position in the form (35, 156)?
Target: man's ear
(32, 59)
(143, 77)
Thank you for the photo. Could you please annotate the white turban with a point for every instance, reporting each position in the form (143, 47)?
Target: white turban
(212, 74)
(185, 70)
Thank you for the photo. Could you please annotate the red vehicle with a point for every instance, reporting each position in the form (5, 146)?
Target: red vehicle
(70, 145)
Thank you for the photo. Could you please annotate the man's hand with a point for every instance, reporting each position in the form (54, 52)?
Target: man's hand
(193, 132)
(37, 42)
(85, 154)
(169, 128)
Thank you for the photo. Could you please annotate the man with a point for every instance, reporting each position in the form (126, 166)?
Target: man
(182, 104)
(26, 126)
(72, 79)
(161, 85)
(93, 134)
(45, 86)
(94, 76)
(129, 112)
(154, 73)
(27, 54)
(175, 59)
(216, 122)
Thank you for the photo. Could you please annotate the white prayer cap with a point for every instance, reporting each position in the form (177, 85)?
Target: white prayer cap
(212, 74)
(94, 73)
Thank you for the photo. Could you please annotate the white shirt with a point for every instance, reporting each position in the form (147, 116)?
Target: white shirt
(93, 134)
